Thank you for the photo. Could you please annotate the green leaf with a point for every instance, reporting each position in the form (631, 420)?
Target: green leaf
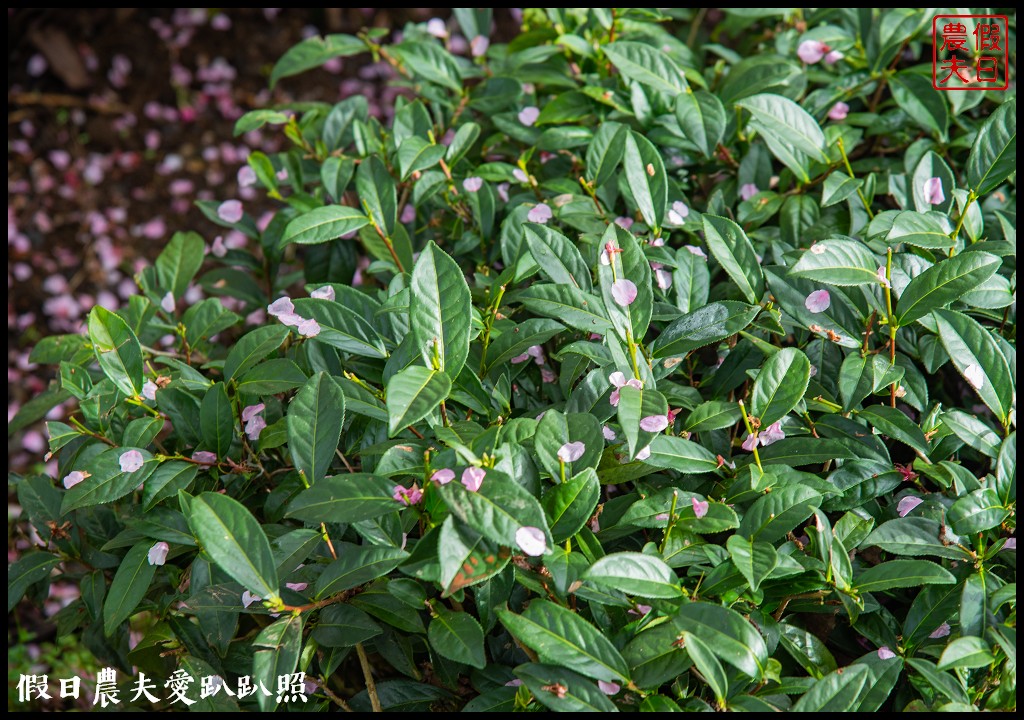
(780, 385)
(970, 345)
(713, 415)
(323, 224)
(838, 187)
(557, 257)
(892, 422)
(944, 282)
(706, 662)
(440, 310)
(838, 262)
(179, 262)
(646, 65)
(414, 393)
(569, 505)
(342, 327)
(635, 574)
(930, 166)
(252, 348)
(416, 155)
(645, 175)
(117, 350)
(913, 536)
(604, 153)
(313, 52)
(980, 510)
(574, 307)
(216, 420)
(839, 691)
(27, 571)
(130, 585)
(702, 119)
(807, 649)
(345, 499)
(457, 636)
(497, 510)
(782, 119)
(966, 652)
(106, 482)
(561, 637)
(706, 325)
(545, 682)
(734, 252)
(931, 230)
(277, 649)
(901, 574)
(234, 539)
(344, 626)
(376, 190)
(925, 105)
(515, 341)
(315, 417)
(779, 512)
(941, 681)
(466, 557)
(634, 405)
(357, 564)
(727, 633)
(272, 377)
(994, 153)
(556, 429)
(754, 560)
(684, 456)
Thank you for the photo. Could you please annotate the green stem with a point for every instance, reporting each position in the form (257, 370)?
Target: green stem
(892, 321)
(671, 522)
(971, 197)
(849, 171)
(750, 430)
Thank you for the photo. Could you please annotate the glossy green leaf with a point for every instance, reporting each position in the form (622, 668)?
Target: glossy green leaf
(727, 633)
(839, 691)
(755, 560)
(645, 175)
(217, 420)
(179, 262)
(345, 499)
(838, 262)
(943, 283)
(892, 422)
(234, 539)
(497, 510)
(356, 564)
(702, 119)
(978, 359)
(457, 636)
(117, 350)
(252, 348)
(561, 637)
(734, 252)
(994, 153)
(323, 225)
(376, 190)
(439, 311)
(706, 325)
(557, 257)
(706, 662)
(780, 385)
(635, 574)
(569, 505)
(901, 574)
(315, 418)
(130, 585)
(644, 64)
(779, 512)
(277, 649)
(413, 394)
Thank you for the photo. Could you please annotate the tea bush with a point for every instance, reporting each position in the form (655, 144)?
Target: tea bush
(625, 366)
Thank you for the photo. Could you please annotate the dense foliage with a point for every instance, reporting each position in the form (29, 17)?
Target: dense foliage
(622, 367)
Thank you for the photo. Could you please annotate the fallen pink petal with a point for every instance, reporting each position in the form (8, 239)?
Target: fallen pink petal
(158, 553)
(571, 451)
(539, 213)
(230, 211)
(531, 541)
(443, 476)
(130, 461)
(624, 292)
(654, 423)
(907, 504)
(473, 478)
(818, 301)
(932, 191)
(528, 115)
(700, 507)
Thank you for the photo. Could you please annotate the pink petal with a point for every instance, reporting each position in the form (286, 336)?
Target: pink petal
(772, 433)
(906, 504)
(158, 553)
(478, 45)
(297, 587)
(700, 507)
(617, 379)
(528, 115)
(818, 301)
(654, 423)
(539, 213)
(839, 111)
(608, 688)
(309, 328)
(531, 540)
(748, 190)
(130, 461)
(473, 478)
(281, 306)
(933, 193)
(624, 292)
(230, 211)
(251, 411)
(750, 443)
(941, 631)
(205, 457)
(811, 51)
(643, 453)
(167, 303)
(443, 476)
(572, 451)
(472, 184)
(884, 653)
(324, 293)
(73, 478)
(833, 56)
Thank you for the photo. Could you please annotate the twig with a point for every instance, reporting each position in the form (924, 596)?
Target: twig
(327, 539)
(371, 686)
(333, 697)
